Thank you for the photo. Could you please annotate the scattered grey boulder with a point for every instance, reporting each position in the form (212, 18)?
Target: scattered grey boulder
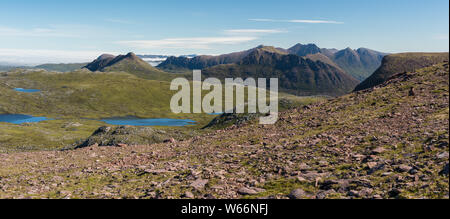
(199, 184)
(443, 155)
(297, 194)
(378, 150)
(250, 191)
(189, 195)
(324, 194)
(404, 168)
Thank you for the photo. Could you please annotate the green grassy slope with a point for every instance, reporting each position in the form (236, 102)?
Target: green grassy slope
(399, 63)
(140, 68)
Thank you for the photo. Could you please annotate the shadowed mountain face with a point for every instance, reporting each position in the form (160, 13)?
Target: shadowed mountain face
(359, 63)
(108, 62)
(296, 75)
(400, 63)
(100, 63)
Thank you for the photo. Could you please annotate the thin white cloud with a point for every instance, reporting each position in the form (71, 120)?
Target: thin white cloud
(441, 37)
(187, 43)
(299, 21)
(32, 56)
(35, 32)
(263, 20)
(118, 21)
(254, 31)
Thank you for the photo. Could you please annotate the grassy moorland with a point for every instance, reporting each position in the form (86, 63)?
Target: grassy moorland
(61, 67)
(76, 100)
(84, 94)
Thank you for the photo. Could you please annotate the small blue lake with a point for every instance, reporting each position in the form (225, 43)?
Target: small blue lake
(215, 114)
(19, 118)
(133, 121)
(27, 90)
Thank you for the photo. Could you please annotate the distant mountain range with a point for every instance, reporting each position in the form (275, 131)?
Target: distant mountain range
(155, 60)
(297, 75)
(163, 56)
(360, 63)
(202, 62)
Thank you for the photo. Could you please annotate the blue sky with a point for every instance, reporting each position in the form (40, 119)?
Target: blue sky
(72, 31)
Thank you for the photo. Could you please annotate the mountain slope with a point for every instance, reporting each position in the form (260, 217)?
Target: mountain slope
(296, 75)
(304, 50)
(100, 63)
(380, 143)
(129, 63)
(323, 58)
(202, 62)
(360, 63)
(399, 63)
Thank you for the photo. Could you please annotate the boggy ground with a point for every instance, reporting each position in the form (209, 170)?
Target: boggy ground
(387, 142)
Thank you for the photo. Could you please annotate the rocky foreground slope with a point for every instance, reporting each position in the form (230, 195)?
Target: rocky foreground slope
(387, 142)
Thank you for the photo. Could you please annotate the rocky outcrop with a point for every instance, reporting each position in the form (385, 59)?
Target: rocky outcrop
(129, 135)
(304, 50)
(101, 62)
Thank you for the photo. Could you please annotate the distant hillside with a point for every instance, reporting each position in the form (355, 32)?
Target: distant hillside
(360, 63)
(7, 67)
(129, 63)
(400, 63)
(297, 75)
(61, 67)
